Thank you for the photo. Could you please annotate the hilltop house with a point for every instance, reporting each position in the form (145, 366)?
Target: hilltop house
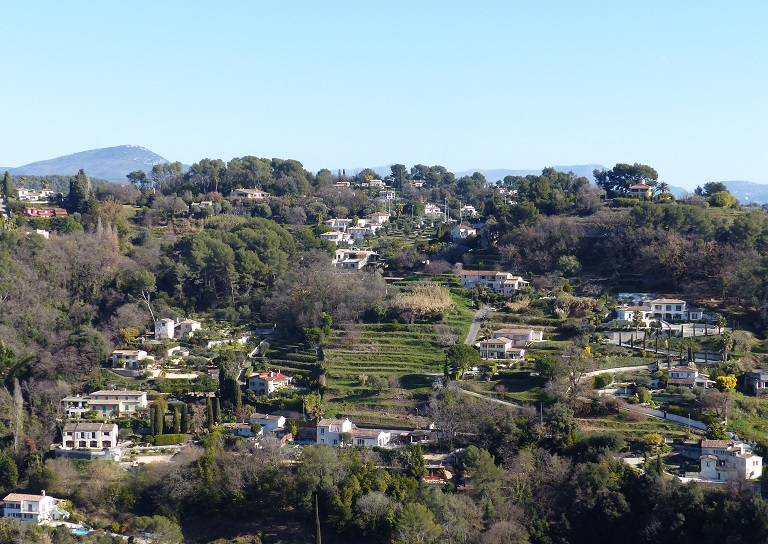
(89, 436)
(729, 460)
(266, 383)
(252, 194)
(520, 337)
(330, 431)
(641, 190)
(187, 328)
(164, 329)
(432, 210)
(340, 224)
(33, 508)
(268, 422)
(378, 218)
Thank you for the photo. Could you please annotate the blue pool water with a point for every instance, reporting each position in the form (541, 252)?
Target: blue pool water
(80, 531)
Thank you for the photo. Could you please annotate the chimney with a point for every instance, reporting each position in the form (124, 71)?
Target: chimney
(42, 492)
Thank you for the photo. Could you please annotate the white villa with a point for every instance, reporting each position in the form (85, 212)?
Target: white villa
(33, 508)
(509, 343)
(729, 460)
(253, 194)
(354, 259)
(329, 432)
(89, 436)
(340, 224)
(460, 232)
(268, 422)
(337, 237)
(432, 210)
(130, 358)
(266, 383)
(688, 376)
(625, 315)
(117, 402)
(500, 348)
(501, 282)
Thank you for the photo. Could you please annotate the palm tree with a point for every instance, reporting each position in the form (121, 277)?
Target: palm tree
(663, 187)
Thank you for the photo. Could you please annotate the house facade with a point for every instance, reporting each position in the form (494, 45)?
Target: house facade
(520, 337)
(668, 309)
(117, 403)
(33, 508)
(337, 237)
(187, 328)
(329, 432)
(129, 358)
(461, 232)
(729, 460)
(688, 376)
(501, 282)
(253, 194)
(500, 348)
(641, 190)
(164, 329)
(353, 259)
(756, 381)
(266, 383)
(626, 315)
(89, 436)
(341, 224)
(269, 423)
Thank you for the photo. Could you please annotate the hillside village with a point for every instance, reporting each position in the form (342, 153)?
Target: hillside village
(378, 356)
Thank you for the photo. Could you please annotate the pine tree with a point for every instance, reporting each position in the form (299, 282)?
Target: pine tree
(184, 419)
(8, 190)
(79, 192)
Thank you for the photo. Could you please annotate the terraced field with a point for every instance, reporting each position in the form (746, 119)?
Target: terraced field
(378, 349)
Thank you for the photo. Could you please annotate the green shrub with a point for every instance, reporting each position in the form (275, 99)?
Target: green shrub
(168, 439)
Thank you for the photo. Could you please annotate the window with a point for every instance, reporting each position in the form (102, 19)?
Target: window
(322, 430)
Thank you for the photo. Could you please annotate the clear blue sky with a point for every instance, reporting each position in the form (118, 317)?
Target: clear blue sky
(678, 85)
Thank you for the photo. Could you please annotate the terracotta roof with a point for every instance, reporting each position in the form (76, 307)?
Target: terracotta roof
(640, 186)
(683, 369)
(681, 381)
(18, 497)
(326, 422)
(118, 392)
(90, 427)
(716, 443)
(513, 331)
(272, 377)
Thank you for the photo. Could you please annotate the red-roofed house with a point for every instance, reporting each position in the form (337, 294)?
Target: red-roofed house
(266, 383)
(641, 190)
(460, 232)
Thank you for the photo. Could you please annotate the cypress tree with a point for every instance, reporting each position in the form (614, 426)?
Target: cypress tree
(209, 413)
(318, 534)
(176, 420)
(237, 397)
(79, 192)
(216, 410)
(184, 419)
(157, 424)
(8, 190)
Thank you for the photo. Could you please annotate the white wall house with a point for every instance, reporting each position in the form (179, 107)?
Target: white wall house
(460, 232)
(33, 508)
(164, 329)
(114, 403)
(253, 194)
(688, 376)
(668, 309)
(266, 383)
(626, 315)
(89, 436)
(329, 432)
(268, 422)
(501, 282)
(353, 259)
(500, 348)
(520, 337)
(129, 358)
(729, 460)
(187, 328)
(337, 237)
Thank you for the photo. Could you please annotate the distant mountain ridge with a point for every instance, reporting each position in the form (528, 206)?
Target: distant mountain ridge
(110, 163)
